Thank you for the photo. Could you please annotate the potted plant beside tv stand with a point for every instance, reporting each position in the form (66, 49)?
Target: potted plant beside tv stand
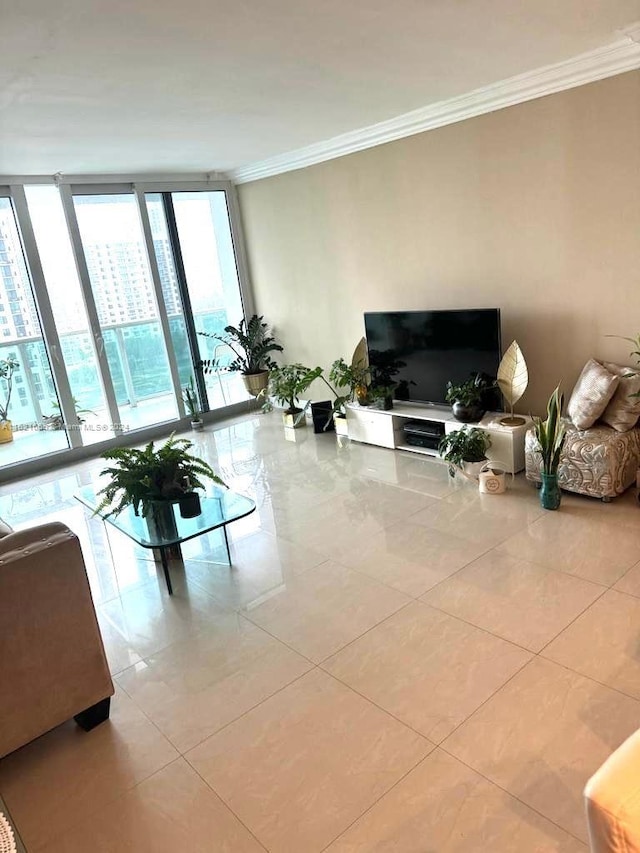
(386, 429)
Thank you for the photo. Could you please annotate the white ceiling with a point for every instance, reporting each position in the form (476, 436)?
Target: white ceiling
(149, 86)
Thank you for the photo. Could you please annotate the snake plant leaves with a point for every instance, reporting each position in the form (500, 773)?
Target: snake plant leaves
(513, 376)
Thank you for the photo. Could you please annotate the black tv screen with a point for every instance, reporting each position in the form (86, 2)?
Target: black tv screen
(427, 349)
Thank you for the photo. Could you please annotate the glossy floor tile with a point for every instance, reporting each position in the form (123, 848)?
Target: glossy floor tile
(428, 669)
(514, 599)
(604, 643)
(196, 686)
(174, 810)
(321, 610)
(484, 519)
(303, 765)
(392, 662)
(630, 581)
(68, 774)
(409, 557)
(443, 805)
(594, 548)
(543, 735)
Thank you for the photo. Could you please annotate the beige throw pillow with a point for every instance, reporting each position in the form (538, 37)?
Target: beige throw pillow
(623, 410)
(594, 388)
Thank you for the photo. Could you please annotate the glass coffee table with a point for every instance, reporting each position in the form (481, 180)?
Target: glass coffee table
(218, 509)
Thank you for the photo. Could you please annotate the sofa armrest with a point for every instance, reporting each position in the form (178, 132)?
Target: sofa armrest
(613, 801)
(52, 661)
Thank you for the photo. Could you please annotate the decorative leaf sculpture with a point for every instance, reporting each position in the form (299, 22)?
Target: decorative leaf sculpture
(513, 378)
(360, 355)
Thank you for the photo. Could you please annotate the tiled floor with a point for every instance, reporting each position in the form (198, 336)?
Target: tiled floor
(394, 663)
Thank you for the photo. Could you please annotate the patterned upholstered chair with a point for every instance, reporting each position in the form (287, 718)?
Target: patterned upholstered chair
(601, 452)
(600, 461)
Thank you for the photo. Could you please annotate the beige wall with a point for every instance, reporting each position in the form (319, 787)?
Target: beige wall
(534, 209)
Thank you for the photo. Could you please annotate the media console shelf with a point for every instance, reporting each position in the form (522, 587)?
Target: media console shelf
(385, 429)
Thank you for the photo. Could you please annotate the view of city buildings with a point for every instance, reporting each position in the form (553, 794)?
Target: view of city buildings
(124, 297)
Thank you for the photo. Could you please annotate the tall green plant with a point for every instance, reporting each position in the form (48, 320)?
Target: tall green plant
(8, 367)
(289, 382)
(139, 477)
(551, 433)
(190, 399)
(348, 377)
(252, 343)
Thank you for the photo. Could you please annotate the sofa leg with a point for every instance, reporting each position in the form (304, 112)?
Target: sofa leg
(93, 716)
(606, 499)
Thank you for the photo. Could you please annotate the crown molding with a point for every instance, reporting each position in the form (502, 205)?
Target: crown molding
(616, 58)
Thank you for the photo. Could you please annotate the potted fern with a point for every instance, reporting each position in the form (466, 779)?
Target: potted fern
(152, 480)
(252, 344)
(551, 435)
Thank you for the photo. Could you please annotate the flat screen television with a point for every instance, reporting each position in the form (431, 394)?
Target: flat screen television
(427, 349)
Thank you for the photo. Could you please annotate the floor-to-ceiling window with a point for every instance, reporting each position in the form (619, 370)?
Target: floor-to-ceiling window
(104, 291)
(28, 384)
(195, 256)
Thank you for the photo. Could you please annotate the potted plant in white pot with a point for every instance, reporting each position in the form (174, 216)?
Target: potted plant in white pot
(8, 367)
(286, 386)
(190, 399)
(251, 342)
(465, 450)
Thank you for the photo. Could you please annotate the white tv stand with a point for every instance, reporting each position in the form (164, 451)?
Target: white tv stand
(385, 429)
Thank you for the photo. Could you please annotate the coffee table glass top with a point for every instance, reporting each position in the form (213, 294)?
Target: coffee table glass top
(219, 508)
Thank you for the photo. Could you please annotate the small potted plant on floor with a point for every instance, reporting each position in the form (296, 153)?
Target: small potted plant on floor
(190, 399)
(551, 435)
(468, 398)
(152, 480)
(8, 367)
(465, 450)
(286, 386)
(55, 421)
(252, 343)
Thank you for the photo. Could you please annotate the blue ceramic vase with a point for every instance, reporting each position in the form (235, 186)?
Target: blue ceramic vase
(550, 491)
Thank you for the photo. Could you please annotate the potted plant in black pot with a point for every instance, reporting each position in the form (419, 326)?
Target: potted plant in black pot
(465, 450)
(153, 480)
(384, 367)
(469, 398)
(252, 344)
